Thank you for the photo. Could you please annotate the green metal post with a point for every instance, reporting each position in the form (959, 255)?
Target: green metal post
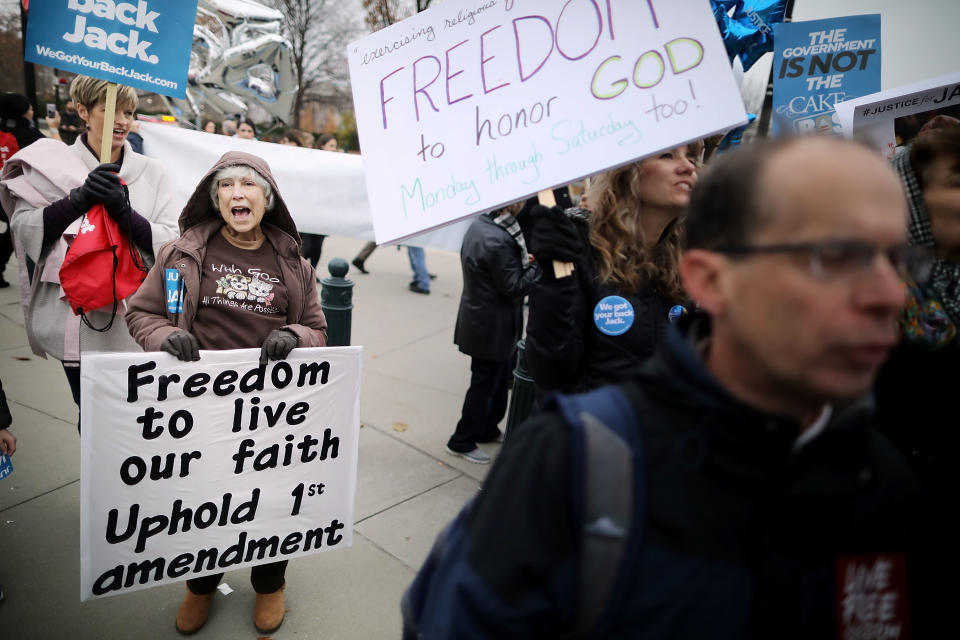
(336, 299)
(522, 396)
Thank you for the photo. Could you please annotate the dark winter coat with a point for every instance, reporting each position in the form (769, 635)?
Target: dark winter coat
(490, 318)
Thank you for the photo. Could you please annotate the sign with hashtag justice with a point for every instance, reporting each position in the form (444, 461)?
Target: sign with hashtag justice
(143, 44)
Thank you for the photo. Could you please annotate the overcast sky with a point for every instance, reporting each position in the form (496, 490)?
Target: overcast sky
(919, 39)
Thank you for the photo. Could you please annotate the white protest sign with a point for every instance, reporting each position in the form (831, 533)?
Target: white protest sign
(195, 468)
(874, 118)
(472, 105)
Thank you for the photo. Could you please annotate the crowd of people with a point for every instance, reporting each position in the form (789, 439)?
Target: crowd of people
(743, 367)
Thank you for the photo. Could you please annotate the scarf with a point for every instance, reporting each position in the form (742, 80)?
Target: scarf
(944, 282)
(504, 219)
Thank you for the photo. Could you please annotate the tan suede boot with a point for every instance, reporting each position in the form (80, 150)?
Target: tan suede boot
(268, 611)
(193, 612)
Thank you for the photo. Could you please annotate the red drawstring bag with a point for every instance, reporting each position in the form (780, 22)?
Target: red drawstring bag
(101, 266)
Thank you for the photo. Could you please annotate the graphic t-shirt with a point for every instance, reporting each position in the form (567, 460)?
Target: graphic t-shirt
(242, 298)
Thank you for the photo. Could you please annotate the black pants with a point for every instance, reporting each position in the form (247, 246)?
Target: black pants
(265, 578)
(73, 377)
(484, 405)
(312, 247)
(6, 250)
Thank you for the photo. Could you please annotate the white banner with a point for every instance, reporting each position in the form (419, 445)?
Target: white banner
(478, 103)
(876, 118)
(325, 191)
(195, 468)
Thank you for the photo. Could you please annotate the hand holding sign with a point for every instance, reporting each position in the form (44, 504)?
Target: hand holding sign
(555, 240)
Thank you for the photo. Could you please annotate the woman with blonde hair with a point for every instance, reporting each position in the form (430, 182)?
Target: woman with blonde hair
(598, 324)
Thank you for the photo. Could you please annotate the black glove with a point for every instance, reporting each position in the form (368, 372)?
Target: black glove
(278, 345)
(182, 344)
(104, 185)
(554, 236)
(82, 199)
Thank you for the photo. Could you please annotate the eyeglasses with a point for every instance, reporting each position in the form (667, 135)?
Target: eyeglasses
(838, 259)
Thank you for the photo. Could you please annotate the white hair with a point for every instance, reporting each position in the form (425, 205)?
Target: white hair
(239, 172)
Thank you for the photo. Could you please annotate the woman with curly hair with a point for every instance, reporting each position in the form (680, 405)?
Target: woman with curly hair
(598, 324)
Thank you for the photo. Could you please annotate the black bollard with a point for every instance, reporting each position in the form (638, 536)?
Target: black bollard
(336, 299)
(521, 399)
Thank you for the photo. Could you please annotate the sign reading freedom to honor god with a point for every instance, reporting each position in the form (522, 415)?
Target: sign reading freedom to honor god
(195, 468)
(140, 43)
(478, 103)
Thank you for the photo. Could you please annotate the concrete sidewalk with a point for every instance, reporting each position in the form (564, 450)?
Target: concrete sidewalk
(408, 487)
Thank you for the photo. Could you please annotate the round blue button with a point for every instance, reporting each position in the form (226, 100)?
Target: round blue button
(613, 316)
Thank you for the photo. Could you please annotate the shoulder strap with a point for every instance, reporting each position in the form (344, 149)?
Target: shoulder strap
(602, 420)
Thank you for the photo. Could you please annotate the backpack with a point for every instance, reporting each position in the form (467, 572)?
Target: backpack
(610, 470)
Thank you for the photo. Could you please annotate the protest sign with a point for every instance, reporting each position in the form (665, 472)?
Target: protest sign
(142, 43)
(890, 119)
(818, 64)
(475, 104)
(194, 468)
(6, 467)
(324, 191)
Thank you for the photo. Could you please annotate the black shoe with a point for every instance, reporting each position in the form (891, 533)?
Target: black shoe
(358, 263)
(418, 289)
(433, 276)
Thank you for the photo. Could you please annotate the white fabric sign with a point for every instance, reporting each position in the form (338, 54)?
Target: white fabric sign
(194, 468)
(325, 191)
(871, 118)
(472, 105)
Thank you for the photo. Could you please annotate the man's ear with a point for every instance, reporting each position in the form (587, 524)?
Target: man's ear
(82, 112)
(703, 274)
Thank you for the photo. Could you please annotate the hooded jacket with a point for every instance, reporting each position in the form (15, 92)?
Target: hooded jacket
(148, 317)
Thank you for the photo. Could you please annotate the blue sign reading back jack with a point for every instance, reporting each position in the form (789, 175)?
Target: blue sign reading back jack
(819, 63)
(141, 43)
(6, 467)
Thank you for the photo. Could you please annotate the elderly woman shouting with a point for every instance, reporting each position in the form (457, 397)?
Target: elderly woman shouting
(238, 243)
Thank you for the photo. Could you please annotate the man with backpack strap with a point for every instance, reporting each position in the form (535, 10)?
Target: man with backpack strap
(761, 503)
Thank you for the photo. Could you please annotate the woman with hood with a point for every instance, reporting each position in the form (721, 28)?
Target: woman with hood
(238, 243)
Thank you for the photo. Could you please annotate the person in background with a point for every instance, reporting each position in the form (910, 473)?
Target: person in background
(624, 252)
(757, 500)
(229, 128)
(16, 117)
(210, 126)
(313, 242)
(48, 187)
(497, 272)
(235, 217)
(421, 277)
(71, 125)
(916, 395)
(246, 130)
(134, 137)
(359, 261)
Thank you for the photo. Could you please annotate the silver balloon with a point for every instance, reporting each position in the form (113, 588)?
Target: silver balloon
(239, 57)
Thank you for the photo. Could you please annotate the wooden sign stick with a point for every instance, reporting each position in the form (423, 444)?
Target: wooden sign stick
(560, 269)
(109, 116)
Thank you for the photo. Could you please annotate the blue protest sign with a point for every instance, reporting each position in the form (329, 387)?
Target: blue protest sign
(819, 63)
(6, 467)
(613, 316)
(174, 288)
(143, 43)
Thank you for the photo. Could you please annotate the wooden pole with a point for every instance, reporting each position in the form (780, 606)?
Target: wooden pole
(560, 269)
(109, 116)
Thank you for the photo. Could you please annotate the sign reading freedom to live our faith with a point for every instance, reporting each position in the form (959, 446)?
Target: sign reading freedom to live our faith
(195, 468)
(478, 103)
(141, 43)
